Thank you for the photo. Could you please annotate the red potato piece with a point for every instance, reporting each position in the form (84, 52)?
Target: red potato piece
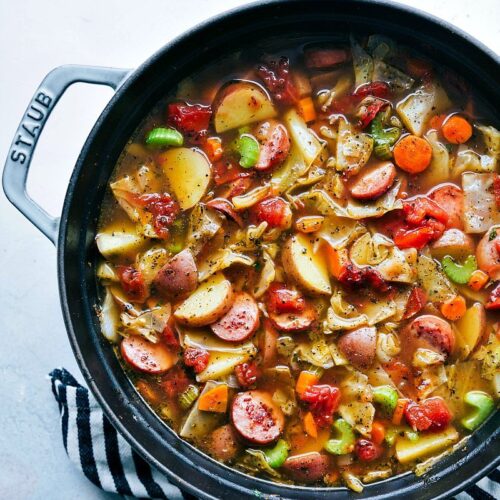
(488, 253)
(145, 356)
(453, 242)
(227, 208)
(325, 58)
(373, 182)
(256, 417)
(308, 467)
(294, 321)
(430, 332)
(179, 276)
(224, 443)
(451, 199)
(274, 144)
(359, 346)
(267, 343)
(240, 322)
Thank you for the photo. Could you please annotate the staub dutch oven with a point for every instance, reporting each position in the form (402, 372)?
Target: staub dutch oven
(136, 93)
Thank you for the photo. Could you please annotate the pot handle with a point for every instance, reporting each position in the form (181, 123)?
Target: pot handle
(23, 146)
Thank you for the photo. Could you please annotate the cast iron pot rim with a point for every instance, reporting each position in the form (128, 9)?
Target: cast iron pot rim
(80, 164)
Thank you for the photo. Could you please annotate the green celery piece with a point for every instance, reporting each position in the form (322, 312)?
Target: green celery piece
(387, 397)
(344, 444)
(383, 139)
(249, 150)
(161, 136)
(482, 405)
(277, 455)
(459, 273)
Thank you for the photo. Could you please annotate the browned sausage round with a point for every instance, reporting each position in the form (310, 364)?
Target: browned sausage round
(325, 58)
(240, 322)
(257, 417)
(430, 332)
(308, 467)
(294, 322)
(359, 346)
(227, 208)
(145, 356)
(179, 276)
(451, 199)
(488, 253)
(373, 182)
(275, 144)
(224, 443)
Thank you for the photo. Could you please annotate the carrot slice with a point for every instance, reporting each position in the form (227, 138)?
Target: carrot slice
(412, 154)
(306, 109)
(310, 425)
(337, 260)
(478, 279)
(378, 432)
(456, 129)
(397, 416)
(305, 380)
(215, 399)
(213, 148)
(454, 308)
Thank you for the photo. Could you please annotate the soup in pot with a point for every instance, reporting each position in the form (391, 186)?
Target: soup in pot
(300, 261)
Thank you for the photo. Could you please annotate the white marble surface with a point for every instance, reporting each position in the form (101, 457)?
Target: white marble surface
(36, 36)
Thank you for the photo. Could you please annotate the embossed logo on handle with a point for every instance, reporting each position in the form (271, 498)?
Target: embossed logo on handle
(29, 129)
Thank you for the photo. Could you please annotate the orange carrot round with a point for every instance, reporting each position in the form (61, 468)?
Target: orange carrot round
(412, 154)
(454, 308)
(456, 129)
(378, 432)
(436, 122)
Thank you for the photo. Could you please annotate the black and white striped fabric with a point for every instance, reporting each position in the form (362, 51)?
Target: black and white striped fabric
(105, 458)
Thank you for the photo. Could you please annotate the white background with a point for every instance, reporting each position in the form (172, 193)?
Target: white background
(36, 36)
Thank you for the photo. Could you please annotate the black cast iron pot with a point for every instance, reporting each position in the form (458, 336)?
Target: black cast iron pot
(136, 93)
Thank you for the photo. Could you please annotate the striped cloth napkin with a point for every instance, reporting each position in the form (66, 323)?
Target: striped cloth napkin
(107, 460)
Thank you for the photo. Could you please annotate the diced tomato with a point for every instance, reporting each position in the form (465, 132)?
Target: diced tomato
(493, 303)
(368, 110)
(413, 238)
(274, 210)
(366, 450)
(228, 171)
(323, 402)
(169, 337)
(196, 358)
(421, 208)
(430, 414)
(281, 299)
(132, 282)
(377, 89)
(496, 190)
(174, 382)
(191, 119)
(246, 374)
(164, 210)
(438, 412)
(277, 79)
(354, 277)
(416, 301)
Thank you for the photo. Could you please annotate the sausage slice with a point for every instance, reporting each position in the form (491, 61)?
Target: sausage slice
(430, 332)
(359, 346)
(451, 199)
(257, 417)
(294, 321)
(373, 182)
(240, 322)
(308, 467)
(179, 276)
(144, 356)
(275, 144)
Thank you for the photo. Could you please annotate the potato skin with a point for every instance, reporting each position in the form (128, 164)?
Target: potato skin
(177, 277)
(308, 467)
(359, 346)
(224, 443)
(453, 242)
